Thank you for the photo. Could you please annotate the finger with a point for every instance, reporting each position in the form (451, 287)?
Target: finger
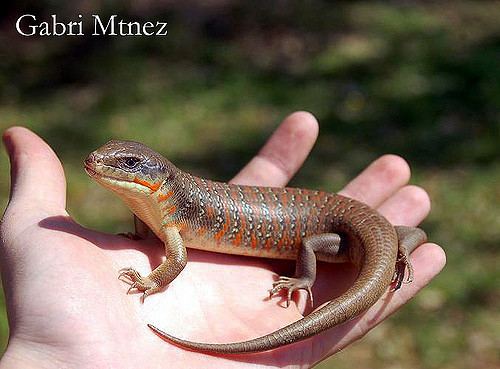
(408, 206)
(283, 153)
(427, 260)
(379, 181)
(37, 177)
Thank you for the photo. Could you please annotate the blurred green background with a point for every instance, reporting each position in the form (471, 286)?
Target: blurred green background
(416, 78)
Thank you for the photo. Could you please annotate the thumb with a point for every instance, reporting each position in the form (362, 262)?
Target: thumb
(37, 176)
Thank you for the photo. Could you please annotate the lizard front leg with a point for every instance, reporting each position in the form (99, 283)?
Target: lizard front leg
(163, 274)
(305, 269)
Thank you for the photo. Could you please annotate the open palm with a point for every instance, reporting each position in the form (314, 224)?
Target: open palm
(68, 309)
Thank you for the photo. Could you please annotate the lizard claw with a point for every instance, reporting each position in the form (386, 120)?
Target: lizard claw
(291, 285)
(402, 263)
(135, 280)
(132, 286)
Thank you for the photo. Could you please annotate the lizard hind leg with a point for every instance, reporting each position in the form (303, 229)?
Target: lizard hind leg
(305, 269)
(409, 239)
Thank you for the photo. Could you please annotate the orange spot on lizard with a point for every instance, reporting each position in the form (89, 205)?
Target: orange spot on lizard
(237, 238)
(164, 197)
(152, 186)
(225, 227)
(171, 210)
(253, 241)
(202, 231)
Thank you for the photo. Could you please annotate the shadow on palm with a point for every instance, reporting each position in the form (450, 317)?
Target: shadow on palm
(218, 282)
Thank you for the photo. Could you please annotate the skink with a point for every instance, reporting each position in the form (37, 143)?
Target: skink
(279, 223)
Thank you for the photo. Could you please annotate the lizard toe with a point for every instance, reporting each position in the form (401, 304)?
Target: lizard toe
(291, 285)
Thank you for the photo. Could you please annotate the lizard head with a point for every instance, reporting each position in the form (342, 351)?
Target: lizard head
(128, 167)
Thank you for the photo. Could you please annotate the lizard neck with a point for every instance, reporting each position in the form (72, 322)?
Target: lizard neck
(144, 206)
(168, 206)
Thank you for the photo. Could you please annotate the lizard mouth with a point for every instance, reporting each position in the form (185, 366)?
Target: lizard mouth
(95, 174)
(91, 172)
(90, 167)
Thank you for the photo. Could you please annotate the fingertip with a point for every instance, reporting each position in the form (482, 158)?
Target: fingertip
(305, 119)
(284, 152)
(432, 256)
(407, 206)
(16, 137)
(420, 198)
(7, 138)
(302, 125)
(36, 172)
(16, 130)
(393, 166)
(440, 256)
(290, 144)
(428, 261)
(382, 178)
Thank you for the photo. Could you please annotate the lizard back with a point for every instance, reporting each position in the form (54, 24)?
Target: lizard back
(265, 221)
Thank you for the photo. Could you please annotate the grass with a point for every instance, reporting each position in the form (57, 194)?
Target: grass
(421, 81)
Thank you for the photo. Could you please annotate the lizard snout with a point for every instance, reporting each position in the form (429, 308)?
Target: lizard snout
(89, 163)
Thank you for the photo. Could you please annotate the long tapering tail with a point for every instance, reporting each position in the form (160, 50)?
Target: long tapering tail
(345, 307)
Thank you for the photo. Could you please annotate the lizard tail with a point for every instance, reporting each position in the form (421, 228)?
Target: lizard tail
(363, 293)
(379, 244)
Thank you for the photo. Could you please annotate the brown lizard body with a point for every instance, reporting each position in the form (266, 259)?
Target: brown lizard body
(279, 223)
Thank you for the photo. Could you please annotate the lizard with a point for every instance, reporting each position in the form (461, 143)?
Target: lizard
(184, 210)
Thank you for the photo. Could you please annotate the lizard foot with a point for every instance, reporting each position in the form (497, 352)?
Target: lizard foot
(135, 280)
(292, 284)
(402, 263)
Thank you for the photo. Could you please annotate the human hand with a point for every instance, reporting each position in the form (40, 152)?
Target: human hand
(68, 309)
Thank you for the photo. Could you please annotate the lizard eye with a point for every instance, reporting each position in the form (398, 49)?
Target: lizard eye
(131, 162)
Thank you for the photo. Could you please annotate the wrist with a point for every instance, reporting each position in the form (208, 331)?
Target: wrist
(20, 355)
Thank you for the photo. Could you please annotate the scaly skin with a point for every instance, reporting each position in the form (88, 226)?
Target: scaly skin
(280, 223)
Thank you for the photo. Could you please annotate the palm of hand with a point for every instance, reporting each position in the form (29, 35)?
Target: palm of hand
(64, 297)
(84, 305)
(216, 298)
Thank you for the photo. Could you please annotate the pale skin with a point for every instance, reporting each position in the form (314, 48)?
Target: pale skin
(67, 309)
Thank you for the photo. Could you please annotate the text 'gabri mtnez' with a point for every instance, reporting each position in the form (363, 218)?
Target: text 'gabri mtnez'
(28, 25)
